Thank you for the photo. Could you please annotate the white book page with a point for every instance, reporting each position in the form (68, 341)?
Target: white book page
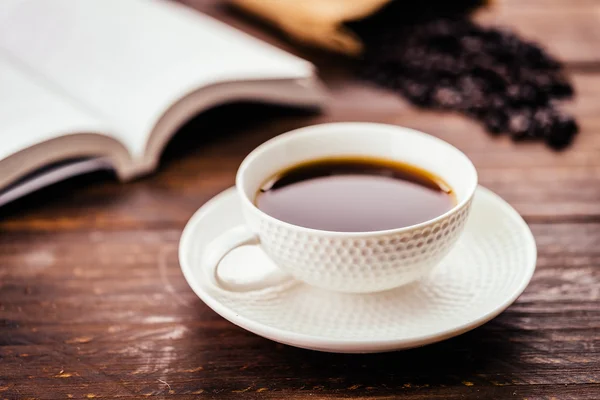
(129, 60)
(30, 113)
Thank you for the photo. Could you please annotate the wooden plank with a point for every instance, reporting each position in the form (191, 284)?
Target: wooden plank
(570, 33)
(562, 4)
(109, 314)
(204, 156)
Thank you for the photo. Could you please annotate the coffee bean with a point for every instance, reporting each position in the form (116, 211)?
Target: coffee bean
(418, 93)
(496, 102)
(525, 94)
(447, 97)
(543, 122)
(519, 124)
(563, 131)
(560, 88)
(472, 44)
(496, 122)
(450, 62)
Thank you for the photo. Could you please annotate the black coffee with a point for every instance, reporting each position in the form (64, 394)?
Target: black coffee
(354, 195)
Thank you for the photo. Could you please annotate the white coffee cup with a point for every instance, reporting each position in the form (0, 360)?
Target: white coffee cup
(355, 262)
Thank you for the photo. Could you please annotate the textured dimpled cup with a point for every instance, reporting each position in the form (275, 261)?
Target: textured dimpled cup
(353, 262)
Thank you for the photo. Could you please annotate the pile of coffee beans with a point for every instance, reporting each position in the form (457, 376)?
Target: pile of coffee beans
(446, 61)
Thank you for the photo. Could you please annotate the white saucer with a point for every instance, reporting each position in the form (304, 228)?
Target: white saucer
(485, 273)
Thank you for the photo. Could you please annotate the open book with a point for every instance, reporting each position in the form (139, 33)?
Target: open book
(105, 84)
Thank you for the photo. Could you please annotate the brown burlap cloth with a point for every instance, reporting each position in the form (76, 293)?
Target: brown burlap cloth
(317, 23)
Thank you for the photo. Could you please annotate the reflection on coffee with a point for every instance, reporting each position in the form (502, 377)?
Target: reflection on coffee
(354, 195)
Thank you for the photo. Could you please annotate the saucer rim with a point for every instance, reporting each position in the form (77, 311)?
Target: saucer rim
(349, 345)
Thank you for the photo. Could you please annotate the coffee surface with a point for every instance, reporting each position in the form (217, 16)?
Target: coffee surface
(354, 195)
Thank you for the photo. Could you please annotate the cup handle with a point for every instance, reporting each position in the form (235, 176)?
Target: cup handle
(221, 246)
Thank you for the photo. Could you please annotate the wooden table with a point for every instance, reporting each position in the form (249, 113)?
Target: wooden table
(93, 303)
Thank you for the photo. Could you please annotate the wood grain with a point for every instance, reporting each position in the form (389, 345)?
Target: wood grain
(571, 32)
(202, 160)
(114, 313)
(93, 304)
